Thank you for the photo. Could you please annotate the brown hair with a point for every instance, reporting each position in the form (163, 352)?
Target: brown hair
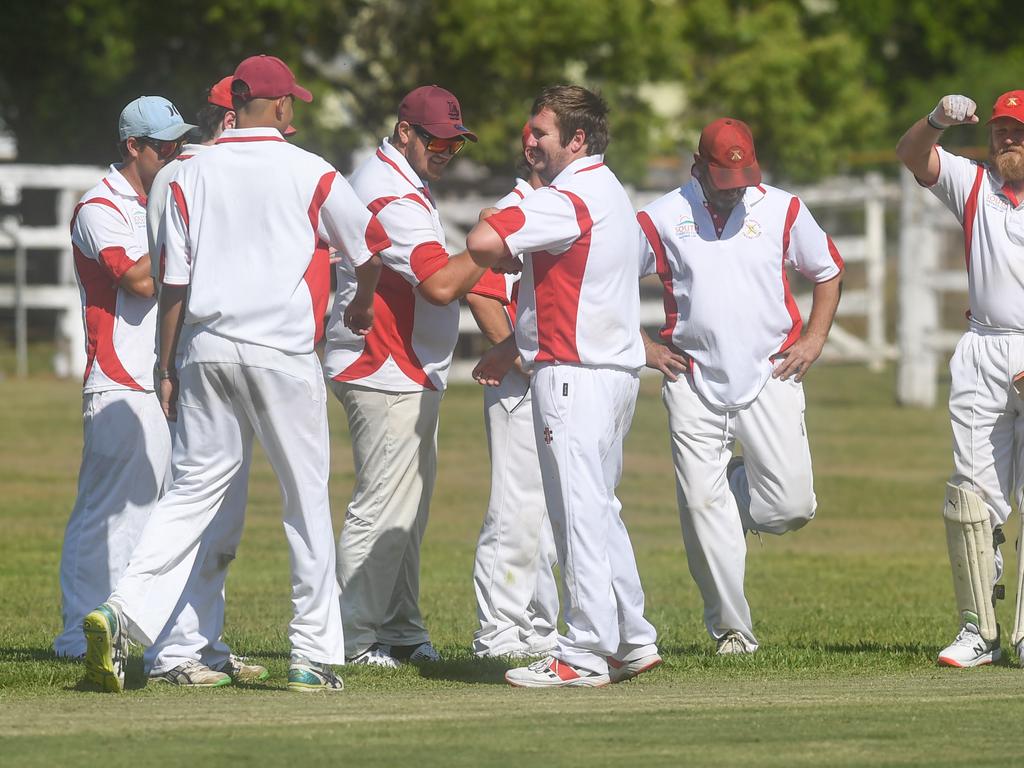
(575, 109)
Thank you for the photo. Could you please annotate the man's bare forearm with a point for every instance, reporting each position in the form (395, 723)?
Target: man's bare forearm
(172, 315)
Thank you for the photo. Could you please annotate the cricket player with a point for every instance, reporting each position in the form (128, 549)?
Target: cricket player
(391, 381)
(190, 650)
(985, 406)
(516, 593)
(247, 231)
(576, 330)
(734, 355)
(126, 451)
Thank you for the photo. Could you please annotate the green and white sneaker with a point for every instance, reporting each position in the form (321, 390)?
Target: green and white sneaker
(192, 674)
(106, 648)
(240, 670)
(305, 676)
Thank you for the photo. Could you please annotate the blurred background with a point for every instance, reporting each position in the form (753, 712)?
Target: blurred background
(826, 86)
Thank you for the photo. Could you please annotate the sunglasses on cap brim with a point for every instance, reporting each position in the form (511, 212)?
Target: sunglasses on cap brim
(435, 144)
(165, 149)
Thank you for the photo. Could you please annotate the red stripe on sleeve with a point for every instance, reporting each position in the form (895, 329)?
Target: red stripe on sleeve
(376, 238)
(426, 259)
(791, 306)
(506, 221)
(179, 201)
(834, 253)
(668, 296)
(970, 213)
(492, 285)
(116, 261)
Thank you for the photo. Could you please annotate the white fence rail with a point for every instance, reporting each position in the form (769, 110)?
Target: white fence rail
(863, 300)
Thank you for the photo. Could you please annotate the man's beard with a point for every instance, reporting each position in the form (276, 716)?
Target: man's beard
(1010, 165)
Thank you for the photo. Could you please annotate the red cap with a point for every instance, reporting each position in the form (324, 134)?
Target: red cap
(1010, 104)
(269, 78)
(526, 133)
(220, 93)
(436, 110)
(728, 147)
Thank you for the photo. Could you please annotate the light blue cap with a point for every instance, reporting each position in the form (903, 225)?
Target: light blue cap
(153, 117)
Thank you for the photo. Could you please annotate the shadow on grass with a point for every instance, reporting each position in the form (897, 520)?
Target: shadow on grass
(470, 670)
(36, 654)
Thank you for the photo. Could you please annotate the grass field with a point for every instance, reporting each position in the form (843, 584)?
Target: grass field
(850, 611)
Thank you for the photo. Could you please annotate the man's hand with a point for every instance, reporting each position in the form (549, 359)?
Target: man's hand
(953, 110)
(798, 358)
(661, 358)
(509, 265)
(359, 315)
(169, 398)
(496, 363)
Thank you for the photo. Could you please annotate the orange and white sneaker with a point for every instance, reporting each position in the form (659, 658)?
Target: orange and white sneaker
(620, 670)
(970, 649)
(550, 672)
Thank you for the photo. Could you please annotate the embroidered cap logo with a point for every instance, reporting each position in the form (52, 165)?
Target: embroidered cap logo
(1012, 101)
(453, 110)
(736, 154)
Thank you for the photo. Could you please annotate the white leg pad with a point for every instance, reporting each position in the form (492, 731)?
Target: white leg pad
(972, 556)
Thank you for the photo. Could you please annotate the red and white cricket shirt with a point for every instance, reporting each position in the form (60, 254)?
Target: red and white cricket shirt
(993, 220)
(411, 344)
(108, 235)
(248, 228)
(728, 305)
(579, 302)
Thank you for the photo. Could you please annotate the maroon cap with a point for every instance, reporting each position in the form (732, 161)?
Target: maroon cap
(436, 110)
(269, 78)
(1010, 104)
(728, 148)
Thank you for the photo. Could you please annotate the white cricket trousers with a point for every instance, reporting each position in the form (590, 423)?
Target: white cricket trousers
(394, 448)
(581, 417)
(772, 493)
(221, 407)
(125, 465)
(195, 629)
(987, 417)
(516, 593)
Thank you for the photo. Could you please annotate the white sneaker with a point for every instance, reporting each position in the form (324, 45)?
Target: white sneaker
(376, 655)
(549, 672)
(970, 649)
(619, 671)
(734, 643)
(192, 674)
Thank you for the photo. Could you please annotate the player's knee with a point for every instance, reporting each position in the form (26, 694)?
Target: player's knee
(795, 512)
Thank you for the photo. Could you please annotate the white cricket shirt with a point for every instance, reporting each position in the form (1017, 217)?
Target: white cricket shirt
(411, 344)
(108, 235)
(579, 301)
(156, 205)
(728, 306)
(993, 221)
(249, 223)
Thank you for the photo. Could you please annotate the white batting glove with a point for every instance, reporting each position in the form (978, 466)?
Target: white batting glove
(953, 110)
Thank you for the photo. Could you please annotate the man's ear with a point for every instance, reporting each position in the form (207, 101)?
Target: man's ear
(230, 117)
(131, 147)
(578, 141)
(403, 132)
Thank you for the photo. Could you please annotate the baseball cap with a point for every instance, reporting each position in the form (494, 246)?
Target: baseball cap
(436, 110)
(728, 147)
(152, 117)
(1010, 104)
(220, 93)
(269, 78)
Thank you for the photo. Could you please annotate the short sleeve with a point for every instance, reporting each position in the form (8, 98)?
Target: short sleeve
(414, 251)
(493, 286)
(544, 221)
(346, 224)
(103, 233)
(176, 250)
(651, 245)
(808, 248)
(957, 176)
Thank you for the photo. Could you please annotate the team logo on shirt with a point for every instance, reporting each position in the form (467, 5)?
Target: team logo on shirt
(751, 229)
(686, 227)
(139, 217)
(995, 202)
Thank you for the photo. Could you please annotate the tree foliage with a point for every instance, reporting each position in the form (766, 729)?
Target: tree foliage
(818, 80)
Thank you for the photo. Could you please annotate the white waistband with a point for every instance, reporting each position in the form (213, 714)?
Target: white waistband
(991, 330)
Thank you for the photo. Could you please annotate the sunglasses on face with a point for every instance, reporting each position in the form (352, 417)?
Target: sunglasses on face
(164, 150)
(434, 144)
